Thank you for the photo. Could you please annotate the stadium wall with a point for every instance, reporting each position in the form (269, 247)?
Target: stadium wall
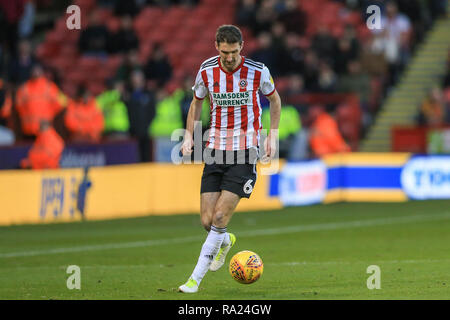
(162, 189)
(363, 177)
(115, 192)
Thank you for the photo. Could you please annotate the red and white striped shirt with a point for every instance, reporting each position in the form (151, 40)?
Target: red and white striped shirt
(235, 107)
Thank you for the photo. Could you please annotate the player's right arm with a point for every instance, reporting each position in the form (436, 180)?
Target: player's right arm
(195, 111)
(194, 114)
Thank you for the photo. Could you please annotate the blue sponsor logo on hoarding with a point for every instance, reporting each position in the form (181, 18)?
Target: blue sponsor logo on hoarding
(427, 178)
(63, 196)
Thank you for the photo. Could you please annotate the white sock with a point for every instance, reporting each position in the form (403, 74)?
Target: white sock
(208, 252)
(226, 240)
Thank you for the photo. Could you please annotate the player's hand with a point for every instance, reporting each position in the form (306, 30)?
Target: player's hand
(186, 147)
(270, 147)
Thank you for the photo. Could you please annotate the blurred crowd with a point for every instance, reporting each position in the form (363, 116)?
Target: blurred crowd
(434, 111)
(304, 57)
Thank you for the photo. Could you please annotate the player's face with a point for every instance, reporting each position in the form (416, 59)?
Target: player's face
(230, 54)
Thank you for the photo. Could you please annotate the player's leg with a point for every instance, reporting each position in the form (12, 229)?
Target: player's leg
(210, 192)
(226, 203)
(208, 202)
(238, 182)
(224, 209)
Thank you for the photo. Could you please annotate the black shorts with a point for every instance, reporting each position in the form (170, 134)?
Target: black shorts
(237, 175)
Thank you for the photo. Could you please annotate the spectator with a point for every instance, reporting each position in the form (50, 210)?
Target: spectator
(6, 103)
(36, 100)
(141, 111)
(327, 79)
(293, 18)
(130, 64)
(324, 135)
(158, 68)
(278, 32)
(20, 66)
(416, 14)
(26, 23)
(265, 17)
(46, 150)
(83, 119)
(373, 61)
(246, 13)
(126, 8)
(291, 57)
(185, 104)
(10, 14)
(394, 40)
(114, 111)
(125, 39)
(294, 90)
(345, 54)
(95, 39)
(265, 52)
(350, 35)
(432, 109)
(167, 119)
(311, 71)
(6, 135)
(357, 81)
(324, 44)
(289, 127)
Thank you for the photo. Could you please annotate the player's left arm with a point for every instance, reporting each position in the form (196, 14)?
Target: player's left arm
(275, 110)
(267, 88)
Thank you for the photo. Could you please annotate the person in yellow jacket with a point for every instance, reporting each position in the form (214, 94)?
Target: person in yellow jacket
(167, 119)
(288, 130)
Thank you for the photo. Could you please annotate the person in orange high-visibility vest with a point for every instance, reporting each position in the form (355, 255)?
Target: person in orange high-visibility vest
(46, 150)
(324, 135)
(83, 118)
(36, 100)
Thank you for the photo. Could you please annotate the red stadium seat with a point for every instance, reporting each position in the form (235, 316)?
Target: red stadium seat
(76, 76)
(113, 24)
(113, 62)
(89, 64)
(96, 88)
(151, 13)
(85, 5)
(69, 88)
(281, 84)
(172, 85)
(62, 64)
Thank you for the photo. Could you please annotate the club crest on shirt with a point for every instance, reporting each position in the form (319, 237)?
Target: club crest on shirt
(243, 83)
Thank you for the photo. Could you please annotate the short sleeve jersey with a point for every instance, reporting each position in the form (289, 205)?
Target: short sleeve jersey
(235, 105)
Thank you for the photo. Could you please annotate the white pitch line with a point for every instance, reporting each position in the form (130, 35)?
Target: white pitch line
(407, 261)
(251, 233)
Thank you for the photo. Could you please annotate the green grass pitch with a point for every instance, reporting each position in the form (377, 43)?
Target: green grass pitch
(315, 252)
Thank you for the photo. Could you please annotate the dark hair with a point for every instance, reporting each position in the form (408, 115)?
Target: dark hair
(229, 34)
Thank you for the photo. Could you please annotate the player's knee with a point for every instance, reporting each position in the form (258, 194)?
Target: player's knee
(206, 223)
(219, 219)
